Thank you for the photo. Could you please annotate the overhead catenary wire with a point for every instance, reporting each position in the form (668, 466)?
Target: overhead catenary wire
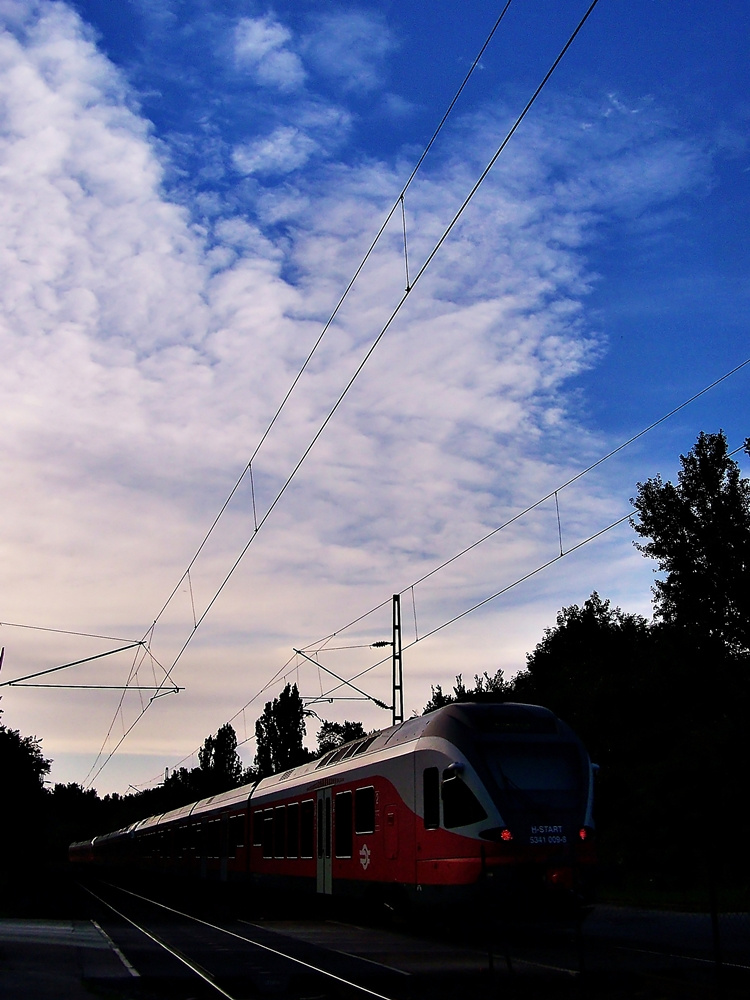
(352, 281)
(66, 666)
(321, 644)
(134, 668)
(101, 687)
(384, 329)
(543, 499)
(421, 271)
(486, 600)
(542, 566)
(248, 468)
(89, 779)
(67, 631)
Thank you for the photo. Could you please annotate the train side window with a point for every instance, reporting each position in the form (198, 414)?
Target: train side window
(339, 755)
(460, 805)
(292, 830)
(268, 833)
(257, 827)
(236, 832)
(431, 796)
(365, 744)
(343, 828)
(364, 810)
(325, 760)
(307, 829)
(279, 832)
(213, 849)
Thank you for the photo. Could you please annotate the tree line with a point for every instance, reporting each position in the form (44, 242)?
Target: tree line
(42, 822)
(661, 705)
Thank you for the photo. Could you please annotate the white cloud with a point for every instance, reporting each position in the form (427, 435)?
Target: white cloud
(318, 130)
(350, 47)
(139, 369)
(261, 46)
(285, 150)
(396, 106)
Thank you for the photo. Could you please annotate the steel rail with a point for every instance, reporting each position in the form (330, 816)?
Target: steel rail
(162, 944)
(239, 937)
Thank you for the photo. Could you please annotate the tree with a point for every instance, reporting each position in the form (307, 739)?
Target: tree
(75, 813)
(587, 670)
(336, 734)
(279, 733)
(594, 669)
(485, 688)
(22, 763)
(23, 826)
(699, 533)
(219, 761)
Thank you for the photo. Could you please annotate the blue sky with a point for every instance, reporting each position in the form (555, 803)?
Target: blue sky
(188, 188)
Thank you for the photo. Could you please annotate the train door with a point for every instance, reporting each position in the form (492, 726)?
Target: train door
(391, 833)
(202, 848)
(224, 848)
(324, 819)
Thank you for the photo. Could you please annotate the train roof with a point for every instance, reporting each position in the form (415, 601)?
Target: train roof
(487, 718)
(470, 724)
(460, 722)
(123, 831)
(497, 719)
(222, 801)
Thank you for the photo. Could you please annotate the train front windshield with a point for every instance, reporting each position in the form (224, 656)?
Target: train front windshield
(539, 784)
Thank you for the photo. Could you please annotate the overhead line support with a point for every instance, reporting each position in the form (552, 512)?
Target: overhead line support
(73, 663)
(369, 697)
(398, 671)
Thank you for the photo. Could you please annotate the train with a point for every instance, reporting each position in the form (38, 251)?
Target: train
(467, 803)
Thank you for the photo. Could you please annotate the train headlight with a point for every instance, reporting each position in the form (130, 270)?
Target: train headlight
(506, 834)
(584, 833)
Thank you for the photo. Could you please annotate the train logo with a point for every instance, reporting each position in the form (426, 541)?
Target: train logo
(364, 856)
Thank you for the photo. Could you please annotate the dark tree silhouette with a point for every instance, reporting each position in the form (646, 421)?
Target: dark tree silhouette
(699, 534)
(279, 733)
(595, 670)
(22, 763)
(335, 734)
(486, 688)
(23, 768)
(698, 531)
(219, 761)
(586, 669)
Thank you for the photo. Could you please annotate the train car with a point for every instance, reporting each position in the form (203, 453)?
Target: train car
(472, 800)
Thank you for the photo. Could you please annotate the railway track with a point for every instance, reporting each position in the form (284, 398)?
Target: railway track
(216, 956)
(188, 950)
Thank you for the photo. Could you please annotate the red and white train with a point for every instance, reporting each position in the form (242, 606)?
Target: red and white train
(468, 800)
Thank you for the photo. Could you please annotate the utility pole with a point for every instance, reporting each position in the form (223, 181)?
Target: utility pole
(398, 672)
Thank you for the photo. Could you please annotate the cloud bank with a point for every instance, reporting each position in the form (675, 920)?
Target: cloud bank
(144, 352)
